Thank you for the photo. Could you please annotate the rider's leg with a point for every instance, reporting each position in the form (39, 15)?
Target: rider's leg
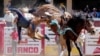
(19, 33)
(30, 31)
(63, 45)
(33, 33)
(21, 20)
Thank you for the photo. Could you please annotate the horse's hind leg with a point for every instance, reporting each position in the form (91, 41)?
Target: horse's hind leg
(79, 48)
(68, 46)
(62, 50)
(62, 45)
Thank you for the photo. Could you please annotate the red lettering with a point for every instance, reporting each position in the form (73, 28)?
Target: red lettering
(31, 50)
(19, 50)
(9, 49)
(35, 49)
(24, 50)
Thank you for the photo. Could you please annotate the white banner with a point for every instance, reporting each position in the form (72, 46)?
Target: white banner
(92, 43)
(27, 45)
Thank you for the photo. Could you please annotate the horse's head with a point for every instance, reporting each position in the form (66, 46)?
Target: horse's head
(85, 23)
(89, 26)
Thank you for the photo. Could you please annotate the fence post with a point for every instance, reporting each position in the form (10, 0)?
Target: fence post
(2, 25)
(43, 40)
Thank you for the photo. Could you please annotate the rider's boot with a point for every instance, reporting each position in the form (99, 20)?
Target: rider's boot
(46, 37)
(32, 33)
(37, 34)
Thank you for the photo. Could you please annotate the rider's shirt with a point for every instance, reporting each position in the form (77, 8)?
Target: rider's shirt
(59, 30)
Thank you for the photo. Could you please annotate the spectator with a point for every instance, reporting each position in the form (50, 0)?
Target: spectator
(14, 36)
(99, 13)
(8, 17)
(78, 13)
(94, 14)
(87, 9)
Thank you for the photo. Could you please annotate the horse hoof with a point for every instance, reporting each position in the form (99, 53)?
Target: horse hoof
(46, 37)
(61, 54)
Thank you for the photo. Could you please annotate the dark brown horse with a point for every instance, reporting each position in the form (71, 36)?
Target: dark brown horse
(74, 27)
(71, 29)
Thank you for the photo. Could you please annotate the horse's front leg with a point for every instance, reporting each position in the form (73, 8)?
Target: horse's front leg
(63, 45)
(68, 43)
(79, 48)
(62, 50)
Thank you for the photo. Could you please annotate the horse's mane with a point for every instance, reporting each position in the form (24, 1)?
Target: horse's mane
(75, 21)
(47, 8)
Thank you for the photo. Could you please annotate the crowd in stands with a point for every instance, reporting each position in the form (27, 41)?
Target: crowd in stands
(93, 13)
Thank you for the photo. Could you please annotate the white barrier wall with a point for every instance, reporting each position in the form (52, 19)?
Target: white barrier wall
(92, 47)
(2, 25)
(92, 43)
(51, 35)
(27, 46)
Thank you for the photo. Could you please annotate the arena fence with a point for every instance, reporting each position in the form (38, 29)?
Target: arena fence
(92, 42)
(44, 47)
